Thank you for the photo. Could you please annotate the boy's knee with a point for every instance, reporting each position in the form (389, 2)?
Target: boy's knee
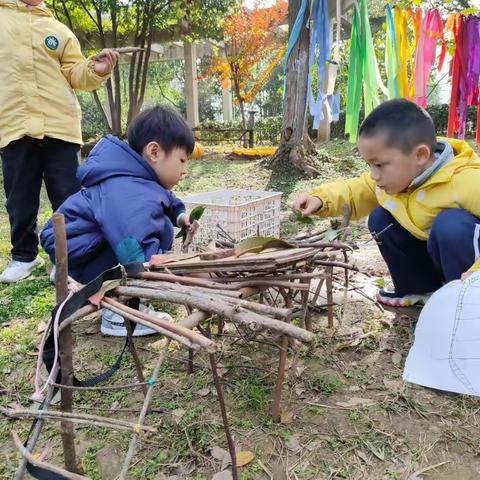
(379, 219)
(452, 226)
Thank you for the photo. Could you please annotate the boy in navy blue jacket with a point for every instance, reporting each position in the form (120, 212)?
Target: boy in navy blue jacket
(126, 211)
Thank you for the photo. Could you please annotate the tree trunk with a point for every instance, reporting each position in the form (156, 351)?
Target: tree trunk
(295, 145)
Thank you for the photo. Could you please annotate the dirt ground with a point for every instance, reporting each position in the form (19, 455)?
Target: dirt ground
(346, 412)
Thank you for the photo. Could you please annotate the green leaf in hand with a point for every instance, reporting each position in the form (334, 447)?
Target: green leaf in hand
(195, 214)
(305, 220)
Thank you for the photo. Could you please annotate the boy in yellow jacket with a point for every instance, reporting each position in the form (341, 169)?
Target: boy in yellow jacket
(422, 198)
(40, 132)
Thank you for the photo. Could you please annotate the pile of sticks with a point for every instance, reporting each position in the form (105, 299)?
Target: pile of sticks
(216, 284)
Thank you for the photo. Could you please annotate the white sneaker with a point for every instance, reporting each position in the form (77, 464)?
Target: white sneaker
(16, 271)
(113, 324)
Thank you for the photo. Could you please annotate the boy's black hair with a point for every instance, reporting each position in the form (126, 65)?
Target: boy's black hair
(404, 124)
(163, 125)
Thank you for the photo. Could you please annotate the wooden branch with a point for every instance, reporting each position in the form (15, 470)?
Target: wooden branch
(65, 342)
(35, 434)
(80, 418)
(153, 325)
(111, 387)
(171, 286)
(38, 463)
(102, 110)
(146, 403)
(194, 319)
(328, 263)
(280, 313)
(242, 316)
(202, 282)
(335, 245)
(180, 331)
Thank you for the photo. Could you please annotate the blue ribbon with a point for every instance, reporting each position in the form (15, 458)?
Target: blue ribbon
(293, 38)
(319, 48)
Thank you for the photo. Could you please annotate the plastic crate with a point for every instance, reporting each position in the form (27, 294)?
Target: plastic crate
(240, 213)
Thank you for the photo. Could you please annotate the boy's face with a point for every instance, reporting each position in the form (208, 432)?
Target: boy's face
(170, 168)
(391, 168)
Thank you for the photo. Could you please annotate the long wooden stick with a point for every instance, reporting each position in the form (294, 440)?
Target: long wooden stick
(251, 319)
(223, 410)
(280, 313)
(65, 342)
(76, 418)
(146, 403)
(32, 441)
(34, 461)
(153, 326)
(201, 282)
(193, 337)
(135, 304)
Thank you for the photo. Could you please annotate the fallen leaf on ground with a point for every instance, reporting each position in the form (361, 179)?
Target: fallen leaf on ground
(177, 415)
(244, 458)
(286, 417)
(394, 385)
(396, 358)
(203, 392)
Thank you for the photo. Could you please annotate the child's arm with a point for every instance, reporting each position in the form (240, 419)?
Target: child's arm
(328, 199)
(82, 73)
(177, 213)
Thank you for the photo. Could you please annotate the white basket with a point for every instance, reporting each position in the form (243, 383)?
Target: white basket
(240, 213)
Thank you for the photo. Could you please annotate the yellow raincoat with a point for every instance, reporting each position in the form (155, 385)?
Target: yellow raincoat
(455, 185)
(41, 66)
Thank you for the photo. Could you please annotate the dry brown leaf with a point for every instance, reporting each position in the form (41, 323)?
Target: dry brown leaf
(221, 370)
(396, 358)
(286, 417)
(203, 392)
(395, 385)
(177, 415)
(244, 458)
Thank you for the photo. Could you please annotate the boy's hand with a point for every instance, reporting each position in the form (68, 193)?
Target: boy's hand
(306, 204)
(105, 62)
(184, 223)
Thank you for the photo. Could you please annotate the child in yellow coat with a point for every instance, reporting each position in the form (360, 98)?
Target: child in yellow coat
(40, 132)
(421, 196)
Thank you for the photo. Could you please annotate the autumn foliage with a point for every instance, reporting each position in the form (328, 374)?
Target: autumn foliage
(254, 44)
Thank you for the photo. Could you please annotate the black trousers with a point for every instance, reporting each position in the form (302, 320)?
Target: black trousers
(26, 163)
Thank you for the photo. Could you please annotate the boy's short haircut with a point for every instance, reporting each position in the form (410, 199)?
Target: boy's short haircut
(163, 125)
(404, 124)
